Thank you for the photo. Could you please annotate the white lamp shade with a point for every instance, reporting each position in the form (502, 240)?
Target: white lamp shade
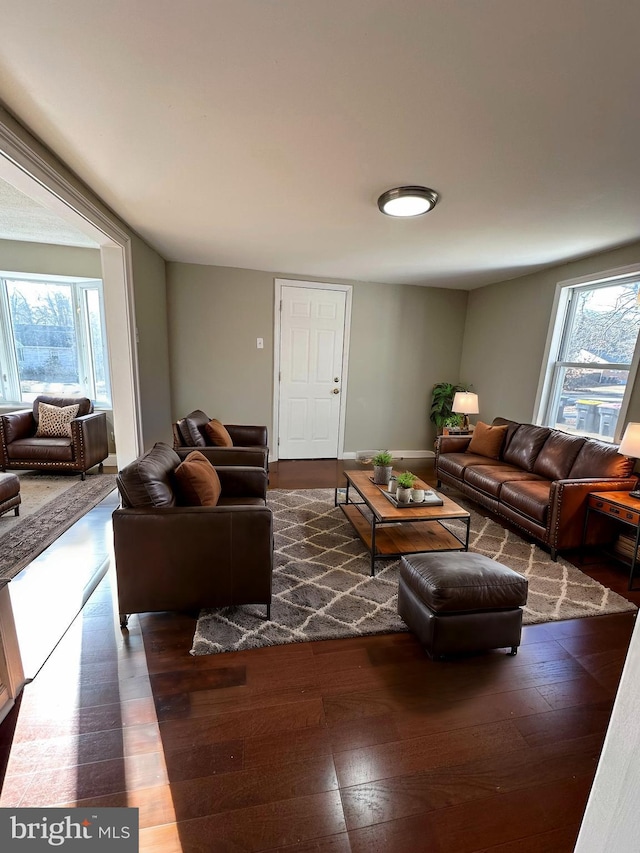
(466, 403)
(630, 444)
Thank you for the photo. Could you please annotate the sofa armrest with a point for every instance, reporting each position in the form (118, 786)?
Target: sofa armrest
(184, 558)
(89, 438)
(247, 435)
(17, 425)
(568, 507)
(241, 481)
(249, 456)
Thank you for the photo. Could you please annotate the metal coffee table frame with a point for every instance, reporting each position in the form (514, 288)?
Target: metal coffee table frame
(391, 532)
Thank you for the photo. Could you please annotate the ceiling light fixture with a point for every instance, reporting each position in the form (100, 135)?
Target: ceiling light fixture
(407, 201)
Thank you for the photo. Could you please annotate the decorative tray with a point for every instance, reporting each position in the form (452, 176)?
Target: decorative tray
(430, 499)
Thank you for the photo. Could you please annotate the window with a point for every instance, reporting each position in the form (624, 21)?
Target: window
(592, 355)
(52, 339)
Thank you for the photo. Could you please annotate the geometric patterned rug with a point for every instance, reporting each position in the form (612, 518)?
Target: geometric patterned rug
(322, 588)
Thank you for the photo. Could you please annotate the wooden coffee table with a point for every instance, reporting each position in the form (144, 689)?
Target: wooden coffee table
(388, 531)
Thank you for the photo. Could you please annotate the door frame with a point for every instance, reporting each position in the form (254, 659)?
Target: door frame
(279, 283)
(26, 165)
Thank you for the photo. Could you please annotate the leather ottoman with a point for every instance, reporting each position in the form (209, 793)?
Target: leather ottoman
(457, 602)
(9, 493)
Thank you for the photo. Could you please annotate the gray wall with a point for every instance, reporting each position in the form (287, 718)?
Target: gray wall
(403, 340)
(16, 256)
(506, 332)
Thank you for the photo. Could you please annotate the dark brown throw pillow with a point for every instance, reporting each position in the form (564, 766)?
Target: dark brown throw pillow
(487, 440)
(217, 434)
(197, 481)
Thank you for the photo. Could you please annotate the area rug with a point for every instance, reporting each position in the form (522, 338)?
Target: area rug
(322, 588)
(51, 505)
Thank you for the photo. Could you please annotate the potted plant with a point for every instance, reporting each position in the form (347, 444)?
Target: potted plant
(382, 467)
(452, 424)
(441, 402)
(405, 484)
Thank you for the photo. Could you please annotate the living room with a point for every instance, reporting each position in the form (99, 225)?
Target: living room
(197, 321)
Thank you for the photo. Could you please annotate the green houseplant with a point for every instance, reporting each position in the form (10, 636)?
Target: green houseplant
(382, 467)
(441, 402)
(405, 484)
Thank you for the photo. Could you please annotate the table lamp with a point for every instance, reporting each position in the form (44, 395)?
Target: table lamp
(630, 446)
(465, 403)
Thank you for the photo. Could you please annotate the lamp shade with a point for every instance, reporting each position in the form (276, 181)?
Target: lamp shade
(630, 444)
(466, 403)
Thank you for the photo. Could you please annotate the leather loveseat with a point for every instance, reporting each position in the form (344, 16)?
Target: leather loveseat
(246, 443)
(536, 478)
(171, 555)
(85, 445)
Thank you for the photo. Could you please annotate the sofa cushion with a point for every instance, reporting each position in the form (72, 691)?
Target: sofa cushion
(599, 459)
(525, 445)
(40, 450)
(487, 440)
(55, 421)
(217, 434)
(148, 480)
(490, 479)
(456, 463)
(85, 406)
(197, 481)
(192, 428)
(558, 455)
(529, 497)
(511, 426)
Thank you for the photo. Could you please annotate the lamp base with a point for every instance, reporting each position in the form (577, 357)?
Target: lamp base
(635, 494)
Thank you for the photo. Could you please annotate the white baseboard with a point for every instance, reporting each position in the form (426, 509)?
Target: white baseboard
(398, 454)
(111, 461)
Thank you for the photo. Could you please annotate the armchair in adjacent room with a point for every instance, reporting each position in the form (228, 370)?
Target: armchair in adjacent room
(186, 538)
(56, 434)
(222, 444)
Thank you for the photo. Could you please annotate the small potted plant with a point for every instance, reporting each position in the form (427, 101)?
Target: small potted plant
(405, 484)
(452, 424)
(382, 467)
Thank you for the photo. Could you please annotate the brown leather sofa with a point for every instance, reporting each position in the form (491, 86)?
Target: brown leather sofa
(87, 446)
(540, 481)
(174, 557)
(249, 442)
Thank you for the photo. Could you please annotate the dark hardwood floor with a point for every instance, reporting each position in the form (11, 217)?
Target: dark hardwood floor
(350, 745)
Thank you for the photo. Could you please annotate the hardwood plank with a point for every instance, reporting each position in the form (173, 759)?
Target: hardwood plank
(355, 767)
(402, 796)
(257, 828)
(471, 826)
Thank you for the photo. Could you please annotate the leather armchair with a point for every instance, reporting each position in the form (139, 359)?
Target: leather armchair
(249, 442)
(88, 445)
(173, 557)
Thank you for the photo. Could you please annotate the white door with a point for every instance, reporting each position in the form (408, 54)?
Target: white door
(312, 333)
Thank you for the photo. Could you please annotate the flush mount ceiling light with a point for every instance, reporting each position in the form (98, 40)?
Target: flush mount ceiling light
(407, 201)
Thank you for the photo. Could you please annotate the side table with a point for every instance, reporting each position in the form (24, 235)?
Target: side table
(621, 507)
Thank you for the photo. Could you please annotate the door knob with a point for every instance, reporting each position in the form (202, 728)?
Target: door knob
(336, 390)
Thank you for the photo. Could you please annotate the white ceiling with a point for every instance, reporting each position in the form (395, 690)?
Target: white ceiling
(259, 133)
(23, 218)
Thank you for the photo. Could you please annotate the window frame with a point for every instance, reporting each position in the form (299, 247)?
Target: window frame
(10, 390)
(562, 310)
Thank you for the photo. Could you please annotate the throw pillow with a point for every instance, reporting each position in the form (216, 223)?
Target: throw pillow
(197, 481)
(217, 434)
(55, 421)
(487, 440)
